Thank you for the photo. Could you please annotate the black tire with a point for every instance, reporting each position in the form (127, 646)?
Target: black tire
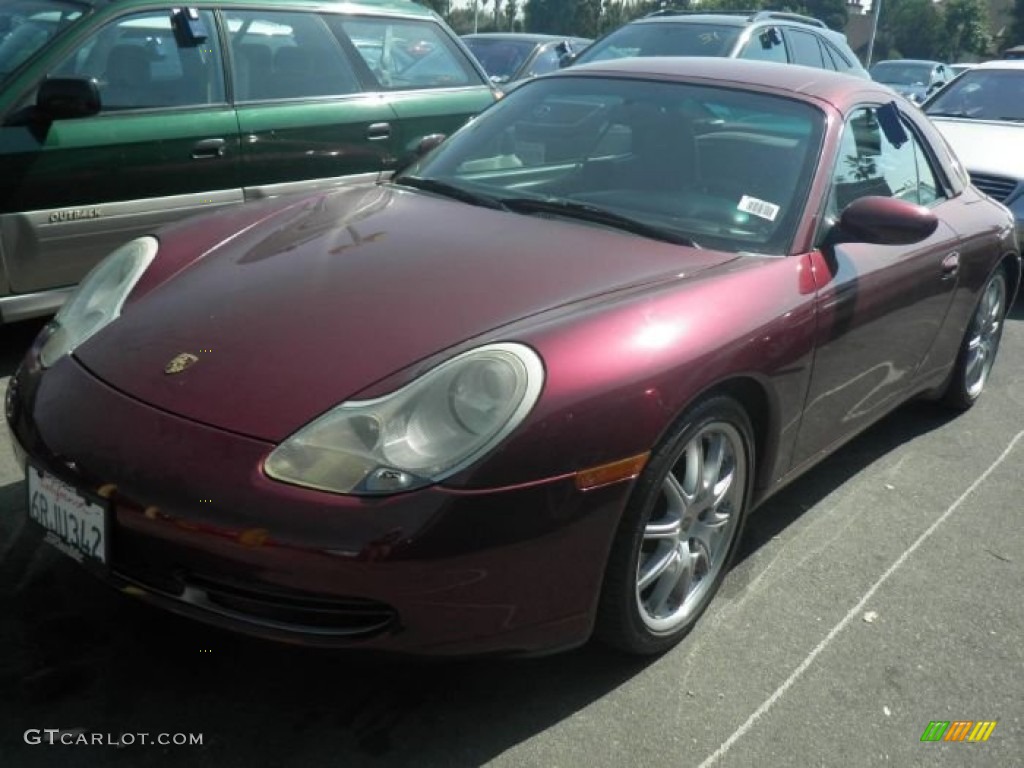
(640, 612)
(980, 345)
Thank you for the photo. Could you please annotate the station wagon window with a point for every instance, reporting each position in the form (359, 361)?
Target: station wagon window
(26, 26)
(765, 44)
(140, 64)
(286, 55)
(870, 164)
(408, 54)
(806, 50)
(842, 64)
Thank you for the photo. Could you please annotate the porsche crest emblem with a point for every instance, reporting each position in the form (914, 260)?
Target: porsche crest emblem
(180, 362)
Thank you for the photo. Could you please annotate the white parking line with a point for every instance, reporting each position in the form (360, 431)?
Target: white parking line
(853, 612)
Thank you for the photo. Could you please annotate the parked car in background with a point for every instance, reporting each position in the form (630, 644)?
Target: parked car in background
(512, 56)
(118, 115)
(762, 36)
(529, 389)
(914, 78)
(981, 114)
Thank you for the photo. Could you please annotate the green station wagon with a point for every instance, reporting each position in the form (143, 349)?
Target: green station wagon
(117, 116)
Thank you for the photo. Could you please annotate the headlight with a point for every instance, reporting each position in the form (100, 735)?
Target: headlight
(99, 298)
(426, 431)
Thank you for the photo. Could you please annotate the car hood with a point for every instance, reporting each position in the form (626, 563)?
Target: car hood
(985, 146)
(294, 315)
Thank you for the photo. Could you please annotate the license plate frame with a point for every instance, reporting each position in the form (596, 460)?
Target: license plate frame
(73, 521)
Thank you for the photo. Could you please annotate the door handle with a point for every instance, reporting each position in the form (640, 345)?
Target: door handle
(378, 131)
(950, 265)
(209, 148)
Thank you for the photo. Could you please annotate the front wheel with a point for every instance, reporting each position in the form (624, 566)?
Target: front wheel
(980, 345)
(679, 531)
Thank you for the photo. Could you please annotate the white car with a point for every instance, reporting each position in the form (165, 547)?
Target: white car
(981, 114)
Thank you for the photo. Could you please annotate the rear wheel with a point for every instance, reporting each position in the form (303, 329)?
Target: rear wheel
(680, 530)
(980, 345)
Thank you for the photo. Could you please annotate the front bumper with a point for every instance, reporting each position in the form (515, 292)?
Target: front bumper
(196, 528)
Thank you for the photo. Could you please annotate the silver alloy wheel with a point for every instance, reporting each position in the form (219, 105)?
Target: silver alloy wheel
(986, 328)
(691, 529)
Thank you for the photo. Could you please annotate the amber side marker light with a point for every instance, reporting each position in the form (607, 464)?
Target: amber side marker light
(616, 471)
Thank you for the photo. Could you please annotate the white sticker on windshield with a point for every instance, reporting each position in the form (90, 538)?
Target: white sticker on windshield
(759, 208)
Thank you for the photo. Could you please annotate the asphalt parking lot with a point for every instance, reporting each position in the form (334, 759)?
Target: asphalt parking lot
(881, 592)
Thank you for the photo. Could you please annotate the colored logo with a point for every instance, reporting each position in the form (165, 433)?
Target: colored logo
(180, 363)
(959, 730)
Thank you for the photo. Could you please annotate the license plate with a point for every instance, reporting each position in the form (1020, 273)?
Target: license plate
(74, 524)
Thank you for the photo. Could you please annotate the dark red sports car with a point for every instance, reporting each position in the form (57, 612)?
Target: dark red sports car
(529, 389)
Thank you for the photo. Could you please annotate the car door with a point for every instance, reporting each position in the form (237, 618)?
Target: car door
(880, 307)
(305, 118)
(163, 145)
(422, 73)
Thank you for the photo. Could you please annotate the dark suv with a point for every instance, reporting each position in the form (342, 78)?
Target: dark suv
(764, 35)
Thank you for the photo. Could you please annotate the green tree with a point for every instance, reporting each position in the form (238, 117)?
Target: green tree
(832, 12)
(909, 29)
(511, 10)
(439, 6)
(1015, 34)
(965, 25)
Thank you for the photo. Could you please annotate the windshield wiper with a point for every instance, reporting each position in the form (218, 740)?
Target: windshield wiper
(597, 215)
(449, 190)
(951, 113)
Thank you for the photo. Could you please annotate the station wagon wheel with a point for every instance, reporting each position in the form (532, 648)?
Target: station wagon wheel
(680, 530)
(980, 344)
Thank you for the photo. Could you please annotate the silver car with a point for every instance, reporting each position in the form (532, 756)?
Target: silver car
(981, 114)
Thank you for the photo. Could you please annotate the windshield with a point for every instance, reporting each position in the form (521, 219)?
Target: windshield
(716, 166)
(982, 94)
(664, 39)
(901, 73)
(501, 59)
(28, 25)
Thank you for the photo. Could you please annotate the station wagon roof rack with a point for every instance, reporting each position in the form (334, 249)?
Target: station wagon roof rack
(786, 15)
(750, 15)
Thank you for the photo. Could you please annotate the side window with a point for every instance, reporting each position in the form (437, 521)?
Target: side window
(765, 44)
(406, 53)
(546, 61)
(286, 55)
(869, 164)
(139, 64)
(842, 64)
(805, 49)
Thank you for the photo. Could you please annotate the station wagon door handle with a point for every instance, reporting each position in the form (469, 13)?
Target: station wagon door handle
(378, 131)
(209, 148)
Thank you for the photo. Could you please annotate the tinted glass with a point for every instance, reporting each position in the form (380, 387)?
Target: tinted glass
(657, 153)
(663, 39)
(870, 164)
(901, 73)
(286, 55)
(546, 61)
(140, 64)
(805, 49)
(765, 45)
(404, 54)
(501, 59)
(982, 94)
(26, 26)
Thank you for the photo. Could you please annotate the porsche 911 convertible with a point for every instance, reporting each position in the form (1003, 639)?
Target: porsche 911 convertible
(528, 390)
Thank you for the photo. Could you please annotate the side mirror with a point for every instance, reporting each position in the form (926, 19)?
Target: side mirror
(67, 98)
(566, 59)
(424, 146)
(884, 221)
